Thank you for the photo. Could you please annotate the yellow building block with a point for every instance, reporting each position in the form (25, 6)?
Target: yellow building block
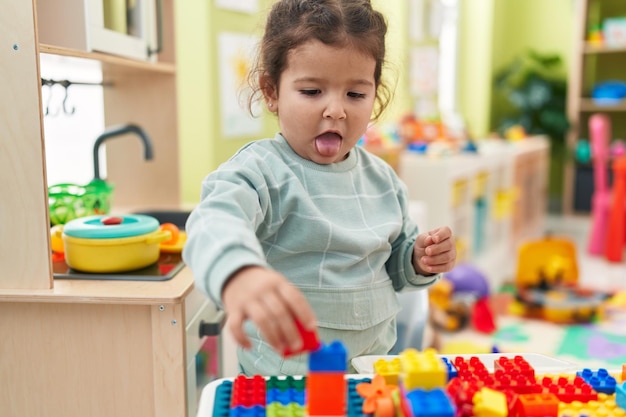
(604, 407)
(490, 403)
(423, 370)
(388, 369)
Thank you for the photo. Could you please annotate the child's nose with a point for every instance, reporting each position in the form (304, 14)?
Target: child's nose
(335, 109)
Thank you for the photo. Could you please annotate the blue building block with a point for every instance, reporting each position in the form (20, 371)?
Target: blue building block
(221, 401)
(241, 411)
(620, 395)
(430, 403)
(452, 372)
(355, 401)
(599, 380)
(331, 358)
(285, 397)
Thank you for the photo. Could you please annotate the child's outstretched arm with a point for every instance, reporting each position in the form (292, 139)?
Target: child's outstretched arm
(434, 251)
(271, 302)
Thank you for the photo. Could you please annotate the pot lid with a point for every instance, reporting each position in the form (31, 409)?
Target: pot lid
(105, 227)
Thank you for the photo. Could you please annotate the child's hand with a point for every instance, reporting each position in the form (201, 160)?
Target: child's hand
(272, 303)
(434, 251)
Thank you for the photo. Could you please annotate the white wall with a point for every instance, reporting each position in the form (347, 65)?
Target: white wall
(69, 138)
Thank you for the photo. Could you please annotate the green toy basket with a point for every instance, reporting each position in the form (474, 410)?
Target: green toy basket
(70, 201)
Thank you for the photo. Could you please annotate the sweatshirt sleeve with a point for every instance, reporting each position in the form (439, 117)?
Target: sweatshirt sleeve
(221, 230)
(400, 264)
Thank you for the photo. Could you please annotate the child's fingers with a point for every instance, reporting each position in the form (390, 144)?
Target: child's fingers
(235, 325)
(299, 307)
(282, 323)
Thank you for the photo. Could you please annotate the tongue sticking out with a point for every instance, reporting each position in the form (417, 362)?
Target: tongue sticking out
(328, 144)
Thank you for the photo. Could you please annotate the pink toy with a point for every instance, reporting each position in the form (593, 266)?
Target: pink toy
(600, 134)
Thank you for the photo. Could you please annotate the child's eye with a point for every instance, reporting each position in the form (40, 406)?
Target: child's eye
(310, 92)
(356, 95)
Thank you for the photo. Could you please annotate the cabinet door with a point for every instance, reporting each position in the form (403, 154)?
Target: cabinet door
(121, 27)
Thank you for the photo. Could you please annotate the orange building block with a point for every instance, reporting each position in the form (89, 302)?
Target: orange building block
(326, 394)
(537, 405)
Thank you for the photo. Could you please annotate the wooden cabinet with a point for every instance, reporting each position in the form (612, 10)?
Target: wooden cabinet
(102, 348)
(591, 63)
(75, 348)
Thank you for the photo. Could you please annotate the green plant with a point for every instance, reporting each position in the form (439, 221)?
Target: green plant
(535, 87)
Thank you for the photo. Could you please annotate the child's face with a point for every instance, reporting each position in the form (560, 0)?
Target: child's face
(324, 100)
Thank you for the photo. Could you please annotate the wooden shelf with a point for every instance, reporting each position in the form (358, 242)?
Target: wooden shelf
(594, 48)
(113, 60)
(588, 105)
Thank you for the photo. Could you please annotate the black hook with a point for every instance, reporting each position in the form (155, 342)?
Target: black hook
(66, 84)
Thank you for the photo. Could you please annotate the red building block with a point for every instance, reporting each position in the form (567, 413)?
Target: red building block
(326, 394)
(248, 391)
(310, 341)
(514, 365)
(568, 391)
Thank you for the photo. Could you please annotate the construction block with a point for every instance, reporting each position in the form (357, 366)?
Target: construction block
(388, 369)
(310, 341)
(462, 392)
(452, 372)
(285, 397)
(242, 411)
(221, 399)
(514, 365)
(490, 403)
(285, 410)
(516, 382)
(599, 380)
(331, 358)
(537, 405)
(470, 368)
(248, 391)
(423, 370)
(355, 401)
(285, 383)
(568, 391)
(325, 394)
(427, 403)
(605, 406)
(623, 373)
(620, 395)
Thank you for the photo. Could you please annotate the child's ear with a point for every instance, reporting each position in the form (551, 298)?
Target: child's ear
(270, 92)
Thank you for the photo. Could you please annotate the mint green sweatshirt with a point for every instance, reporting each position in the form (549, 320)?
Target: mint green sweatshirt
(341, 233)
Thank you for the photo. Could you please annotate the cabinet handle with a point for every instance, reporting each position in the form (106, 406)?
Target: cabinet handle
(212, 328)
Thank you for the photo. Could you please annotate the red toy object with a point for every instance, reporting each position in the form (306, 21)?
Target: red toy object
(536, 405)
(616, 233)
(482, 316)
(310, 341)
(248, 391)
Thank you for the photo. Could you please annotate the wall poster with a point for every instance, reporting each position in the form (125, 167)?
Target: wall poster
(235, 55)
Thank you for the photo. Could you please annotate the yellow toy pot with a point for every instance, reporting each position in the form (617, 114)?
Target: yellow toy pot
(103, 244)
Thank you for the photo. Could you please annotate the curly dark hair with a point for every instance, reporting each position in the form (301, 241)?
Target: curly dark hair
(290, 23)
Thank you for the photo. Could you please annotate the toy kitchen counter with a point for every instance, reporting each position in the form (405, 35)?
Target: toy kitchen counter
(104, 347)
